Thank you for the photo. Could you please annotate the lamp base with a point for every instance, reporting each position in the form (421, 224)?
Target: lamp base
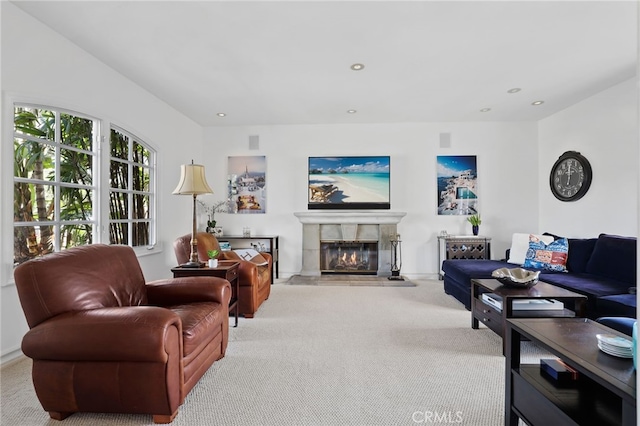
(192, 265)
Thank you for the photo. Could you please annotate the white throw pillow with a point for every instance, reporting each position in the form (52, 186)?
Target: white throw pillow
(520, 245)
(251, 255)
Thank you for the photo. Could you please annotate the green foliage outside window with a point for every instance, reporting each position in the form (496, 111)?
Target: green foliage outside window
(56, 184)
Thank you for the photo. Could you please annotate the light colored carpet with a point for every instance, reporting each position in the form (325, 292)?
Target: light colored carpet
(329, 355)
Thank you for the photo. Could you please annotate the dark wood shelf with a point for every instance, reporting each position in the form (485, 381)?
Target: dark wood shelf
(582, 402)
(604, 394)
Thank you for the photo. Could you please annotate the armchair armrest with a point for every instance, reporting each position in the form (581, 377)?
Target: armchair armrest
(177, 291)
(248, 270)
(130, 333)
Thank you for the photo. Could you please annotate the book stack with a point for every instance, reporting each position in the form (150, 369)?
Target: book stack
(558, 372)
(225, 245)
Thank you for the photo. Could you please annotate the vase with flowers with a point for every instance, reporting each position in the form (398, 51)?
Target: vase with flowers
(475, 222)
(211, 210)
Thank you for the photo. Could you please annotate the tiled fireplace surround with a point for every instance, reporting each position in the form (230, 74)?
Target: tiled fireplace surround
(320, 226)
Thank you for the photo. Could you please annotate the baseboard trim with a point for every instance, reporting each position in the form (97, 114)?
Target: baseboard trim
(11, 357)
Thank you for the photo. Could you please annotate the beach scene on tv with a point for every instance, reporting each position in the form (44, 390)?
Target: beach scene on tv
(343, 180)
(457, 185)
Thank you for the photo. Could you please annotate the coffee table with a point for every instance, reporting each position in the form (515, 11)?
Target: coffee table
(496, 319)
(604, 393)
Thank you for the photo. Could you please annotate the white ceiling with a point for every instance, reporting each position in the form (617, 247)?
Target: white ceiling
(289, 62)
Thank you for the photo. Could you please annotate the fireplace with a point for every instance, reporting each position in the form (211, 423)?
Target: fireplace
(348, 257)
(366, 232)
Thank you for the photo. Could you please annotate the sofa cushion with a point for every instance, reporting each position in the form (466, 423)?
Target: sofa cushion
(624, 305)
(580, 250)
(587, 284)
(520, 246)
(621, 324)
(614, 257)
(463, 270)
(552, 256)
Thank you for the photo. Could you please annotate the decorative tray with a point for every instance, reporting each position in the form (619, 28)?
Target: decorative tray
(516, 277)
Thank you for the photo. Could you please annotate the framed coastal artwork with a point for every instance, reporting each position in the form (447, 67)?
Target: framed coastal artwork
(349, 182)
(247, 184)
(457, 185)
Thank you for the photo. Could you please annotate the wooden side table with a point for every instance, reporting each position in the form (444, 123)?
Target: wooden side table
(227, 269)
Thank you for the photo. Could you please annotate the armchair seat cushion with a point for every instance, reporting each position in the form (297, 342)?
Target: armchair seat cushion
(198, 324)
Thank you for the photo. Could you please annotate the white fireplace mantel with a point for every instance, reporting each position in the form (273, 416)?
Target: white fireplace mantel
(346, 216)
(345, 224)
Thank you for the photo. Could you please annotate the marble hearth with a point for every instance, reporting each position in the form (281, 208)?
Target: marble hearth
(320, 226)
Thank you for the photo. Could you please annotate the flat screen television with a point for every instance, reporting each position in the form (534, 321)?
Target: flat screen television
(349, 183)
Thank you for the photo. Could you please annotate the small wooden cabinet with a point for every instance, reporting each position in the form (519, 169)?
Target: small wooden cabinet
(462, 247)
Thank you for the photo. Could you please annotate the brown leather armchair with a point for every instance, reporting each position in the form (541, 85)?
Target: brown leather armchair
(103, 340)
(255, 280)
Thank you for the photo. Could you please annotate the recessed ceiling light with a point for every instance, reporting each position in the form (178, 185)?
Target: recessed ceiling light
(221, 114)
(357, 67)
(514, 90)
(536, 103)
(351, 111)
(485, 110)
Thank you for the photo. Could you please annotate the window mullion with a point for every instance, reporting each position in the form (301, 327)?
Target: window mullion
(57, 228)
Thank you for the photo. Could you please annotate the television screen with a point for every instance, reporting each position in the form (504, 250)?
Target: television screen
(349, 183)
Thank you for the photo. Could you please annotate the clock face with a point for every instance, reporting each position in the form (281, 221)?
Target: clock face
(570, 176)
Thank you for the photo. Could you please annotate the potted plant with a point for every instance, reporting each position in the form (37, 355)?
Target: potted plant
(475, 222)
(217, 207)
(213, 258)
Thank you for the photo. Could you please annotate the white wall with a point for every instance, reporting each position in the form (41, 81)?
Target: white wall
(39, 65)
(603, 128)
(507, 167)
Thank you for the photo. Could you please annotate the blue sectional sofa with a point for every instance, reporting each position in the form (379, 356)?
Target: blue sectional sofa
(603, 269)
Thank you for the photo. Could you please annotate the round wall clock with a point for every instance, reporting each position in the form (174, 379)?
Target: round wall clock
(570, 176)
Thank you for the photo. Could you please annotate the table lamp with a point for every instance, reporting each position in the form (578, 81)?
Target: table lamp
(192, 182)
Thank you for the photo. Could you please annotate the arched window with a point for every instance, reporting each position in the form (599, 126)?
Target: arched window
(59, 184)
(131, 190)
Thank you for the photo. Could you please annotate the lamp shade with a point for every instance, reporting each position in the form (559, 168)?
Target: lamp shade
(192, 181)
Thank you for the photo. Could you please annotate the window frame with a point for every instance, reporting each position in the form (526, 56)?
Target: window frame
(151, 192)
(100, 182)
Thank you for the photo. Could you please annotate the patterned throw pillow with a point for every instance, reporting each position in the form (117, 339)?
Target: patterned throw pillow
(520, 246)
(552, 256)
(252, 256)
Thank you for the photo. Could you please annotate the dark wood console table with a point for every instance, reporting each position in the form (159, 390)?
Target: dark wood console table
(604, 394)
(227, 269)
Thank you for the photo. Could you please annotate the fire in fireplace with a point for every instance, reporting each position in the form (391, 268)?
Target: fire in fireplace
(349, 257)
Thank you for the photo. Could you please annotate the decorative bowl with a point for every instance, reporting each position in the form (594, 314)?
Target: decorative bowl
(516, 277)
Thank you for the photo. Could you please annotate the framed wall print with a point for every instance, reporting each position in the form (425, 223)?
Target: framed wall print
(247, 184)
(457, 185)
